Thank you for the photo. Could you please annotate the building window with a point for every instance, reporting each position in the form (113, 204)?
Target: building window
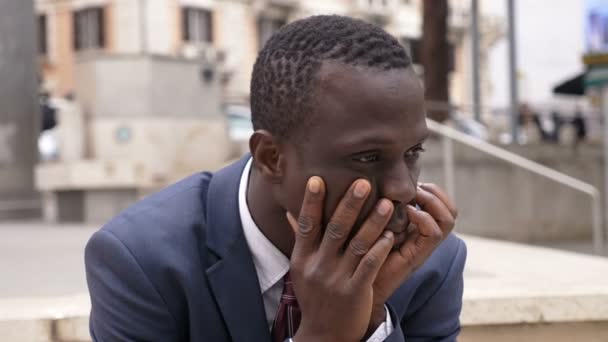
(197, 26)
(89, 28)
(267, 26)
(42, 39)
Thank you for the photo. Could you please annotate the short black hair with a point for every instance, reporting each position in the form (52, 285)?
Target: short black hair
(283, 74)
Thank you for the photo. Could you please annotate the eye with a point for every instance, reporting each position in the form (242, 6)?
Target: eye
(366, 158)
(414, 153)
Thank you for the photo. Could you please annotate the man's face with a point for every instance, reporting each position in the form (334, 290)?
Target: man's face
(368, 124)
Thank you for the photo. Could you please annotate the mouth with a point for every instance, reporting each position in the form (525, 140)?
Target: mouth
(400, 231)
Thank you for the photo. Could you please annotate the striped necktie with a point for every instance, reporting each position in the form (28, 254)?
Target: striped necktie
(288, 317)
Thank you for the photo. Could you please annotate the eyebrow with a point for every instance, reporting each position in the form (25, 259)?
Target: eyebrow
(425, 137)
(381, 140)
(372, 140)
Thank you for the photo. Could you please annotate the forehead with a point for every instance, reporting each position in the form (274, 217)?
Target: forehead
(352, 103)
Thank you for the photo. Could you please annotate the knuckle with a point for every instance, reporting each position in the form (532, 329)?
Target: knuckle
(351, 206)
(305, 224)
(335, 231)
(426, 216)
(313, 275)
(371, 261)
(409, 257)
(437, 234)
(432, 188)
(448, 223)
(377, 220)
(358, 248)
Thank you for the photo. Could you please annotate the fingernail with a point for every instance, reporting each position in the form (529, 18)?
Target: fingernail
(384, 207)
(361, 189)
(388, 234)
(314, 185)
(411, 207)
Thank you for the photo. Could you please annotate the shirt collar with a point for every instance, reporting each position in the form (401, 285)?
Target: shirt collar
(270, 264)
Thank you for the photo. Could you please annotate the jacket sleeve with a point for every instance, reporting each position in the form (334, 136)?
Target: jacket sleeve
(125, 306)
(438, 318)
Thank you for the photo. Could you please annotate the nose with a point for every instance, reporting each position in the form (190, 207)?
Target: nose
(399, 185)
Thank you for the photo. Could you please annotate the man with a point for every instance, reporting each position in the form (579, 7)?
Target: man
(314, 237)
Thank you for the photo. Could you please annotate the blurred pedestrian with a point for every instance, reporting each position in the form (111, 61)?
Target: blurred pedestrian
(580, 126)
(557, 125)
(48, 113)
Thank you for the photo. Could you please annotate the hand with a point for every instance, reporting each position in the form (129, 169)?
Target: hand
(334, 283)
(432, 224)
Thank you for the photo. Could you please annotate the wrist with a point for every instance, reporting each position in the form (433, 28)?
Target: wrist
(378, 317)
(306, 338)
(303, 336)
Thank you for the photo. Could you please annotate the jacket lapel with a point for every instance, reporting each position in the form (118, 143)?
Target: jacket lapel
(233, 278)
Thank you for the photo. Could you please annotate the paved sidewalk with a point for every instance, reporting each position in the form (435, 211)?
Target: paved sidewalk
(42, 260)
(43, 293)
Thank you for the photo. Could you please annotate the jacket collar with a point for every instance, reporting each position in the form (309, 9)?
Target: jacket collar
(233, 277)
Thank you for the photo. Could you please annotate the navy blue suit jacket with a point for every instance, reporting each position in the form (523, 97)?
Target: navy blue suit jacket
(176, 267)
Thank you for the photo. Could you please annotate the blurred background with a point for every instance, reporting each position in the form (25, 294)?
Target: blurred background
(105, 101)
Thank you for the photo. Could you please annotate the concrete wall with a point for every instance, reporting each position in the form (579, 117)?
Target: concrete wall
(145, 122)
(19, 113)
(128, 26)
(166, 148)
(133, 85)
(498, 200)
(556, 332)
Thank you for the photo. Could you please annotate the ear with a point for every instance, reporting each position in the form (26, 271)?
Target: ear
(267, 155)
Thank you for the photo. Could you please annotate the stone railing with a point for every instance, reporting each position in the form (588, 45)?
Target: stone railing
(512, 292)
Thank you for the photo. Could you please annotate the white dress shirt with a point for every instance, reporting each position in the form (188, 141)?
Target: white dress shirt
(271, 265)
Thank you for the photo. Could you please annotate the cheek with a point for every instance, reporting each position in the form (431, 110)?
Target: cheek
(291, 190)
(292, 194)
(336, 192)
(337, 183)
(415, 172)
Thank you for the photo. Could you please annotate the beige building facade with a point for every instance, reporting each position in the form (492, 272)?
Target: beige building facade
(227, 32)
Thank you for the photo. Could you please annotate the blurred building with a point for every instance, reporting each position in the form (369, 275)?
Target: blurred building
(142, 117)
(18, 109)
(230, 32)
(150, 76)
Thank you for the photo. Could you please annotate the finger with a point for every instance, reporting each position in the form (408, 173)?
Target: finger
(344, 217)
(307, 228)
(436, 208)
(370, 264)
(398, 266)
(371, 229)
(435, 190)
(293, 223)
(423, 242)
(420, 244)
